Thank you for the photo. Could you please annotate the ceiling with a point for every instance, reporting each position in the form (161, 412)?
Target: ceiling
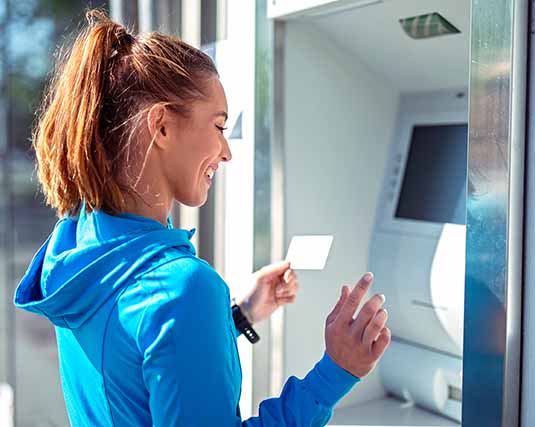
(373, 34)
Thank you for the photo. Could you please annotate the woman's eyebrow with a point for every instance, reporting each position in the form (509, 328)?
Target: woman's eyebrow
(222, 113)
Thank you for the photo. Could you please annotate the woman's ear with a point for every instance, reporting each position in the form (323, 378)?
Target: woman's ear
(156, 123)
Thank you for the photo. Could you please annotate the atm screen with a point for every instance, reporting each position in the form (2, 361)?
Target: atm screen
(434, 184)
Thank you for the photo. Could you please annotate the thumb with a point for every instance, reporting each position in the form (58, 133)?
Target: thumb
(334, 313)
(276, 269)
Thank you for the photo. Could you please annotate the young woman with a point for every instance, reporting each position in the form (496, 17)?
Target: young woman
(145, 330)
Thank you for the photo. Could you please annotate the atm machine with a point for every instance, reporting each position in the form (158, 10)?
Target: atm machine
(374, 152)
(417, 251)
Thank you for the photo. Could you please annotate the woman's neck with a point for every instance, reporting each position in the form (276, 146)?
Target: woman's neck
(151, 206)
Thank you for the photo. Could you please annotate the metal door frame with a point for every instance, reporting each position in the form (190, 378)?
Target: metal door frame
(495, 214)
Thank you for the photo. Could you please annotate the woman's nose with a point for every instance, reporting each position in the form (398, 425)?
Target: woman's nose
(226, 154)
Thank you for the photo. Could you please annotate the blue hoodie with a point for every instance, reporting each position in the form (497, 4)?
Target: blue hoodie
(145, 333)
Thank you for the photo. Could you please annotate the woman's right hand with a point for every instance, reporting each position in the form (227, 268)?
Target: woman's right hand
(356, 344)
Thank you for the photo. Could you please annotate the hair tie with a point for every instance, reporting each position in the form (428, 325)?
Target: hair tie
(129, 38)
(123, 40)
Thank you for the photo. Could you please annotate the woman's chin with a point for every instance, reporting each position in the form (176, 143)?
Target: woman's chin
(195, 201)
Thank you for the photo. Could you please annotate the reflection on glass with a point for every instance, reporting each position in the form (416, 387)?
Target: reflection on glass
(488, 216)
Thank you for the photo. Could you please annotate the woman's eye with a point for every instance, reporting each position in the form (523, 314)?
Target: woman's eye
(222, 129)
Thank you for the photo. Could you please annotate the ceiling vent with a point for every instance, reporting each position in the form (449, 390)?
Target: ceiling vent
(427, 26)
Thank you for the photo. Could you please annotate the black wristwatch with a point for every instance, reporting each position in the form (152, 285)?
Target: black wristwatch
(243, 325)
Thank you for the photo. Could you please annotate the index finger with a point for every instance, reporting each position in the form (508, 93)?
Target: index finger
(355, 297)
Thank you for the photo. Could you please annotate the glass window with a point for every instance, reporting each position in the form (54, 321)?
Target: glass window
(28, 354)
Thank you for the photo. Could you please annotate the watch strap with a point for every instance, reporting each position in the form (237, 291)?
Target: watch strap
(243, 325)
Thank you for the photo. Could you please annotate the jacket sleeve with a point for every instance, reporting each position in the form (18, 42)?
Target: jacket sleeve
(191, 365)
(306, 402)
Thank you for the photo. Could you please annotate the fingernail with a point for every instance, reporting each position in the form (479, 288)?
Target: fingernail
(383, 297)
(368, 277)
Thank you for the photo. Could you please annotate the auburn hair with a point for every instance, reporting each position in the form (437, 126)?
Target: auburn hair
(96, 102)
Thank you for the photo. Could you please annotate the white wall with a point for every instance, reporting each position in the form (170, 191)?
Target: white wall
(339, 118)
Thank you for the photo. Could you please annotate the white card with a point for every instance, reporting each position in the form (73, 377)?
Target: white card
(309, 252)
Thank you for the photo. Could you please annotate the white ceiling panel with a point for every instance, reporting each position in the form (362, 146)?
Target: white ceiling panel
(374, 35)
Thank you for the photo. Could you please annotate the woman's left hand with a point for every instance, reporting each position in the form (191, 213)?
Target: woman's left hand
(275, 285)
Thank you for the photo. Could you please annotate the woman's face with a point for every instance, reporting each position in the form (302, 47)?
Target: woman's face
(196, 147)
